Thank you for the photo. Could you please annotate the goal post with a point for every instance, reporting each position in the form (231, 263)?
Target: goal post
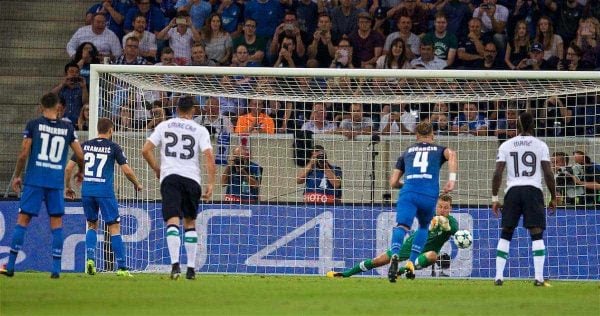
(284, 231)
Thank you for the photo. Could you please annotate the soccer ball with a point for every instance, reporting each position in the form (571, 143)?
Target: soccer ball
(463, 239)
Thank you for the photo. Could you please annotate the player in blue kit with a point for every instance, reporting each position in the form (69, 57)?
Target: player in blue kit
(420, 165)
(97, 192)
(46, 142)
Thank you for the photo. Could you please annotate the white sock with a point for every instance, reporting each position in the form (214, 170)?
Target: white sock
(539, 256)
(501, 256)
(191, 246)
(174, 243)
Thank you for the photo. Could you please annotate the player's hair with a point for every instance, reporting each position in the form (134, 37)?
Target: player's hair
(424, 129)
(185, 104)
(526, 123)
(49, 100)
(104, 125)
(445, 197)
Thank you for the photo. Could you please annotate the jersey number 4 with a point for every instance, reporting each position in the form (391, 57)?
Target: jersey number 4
(188, 145)
(421, 161)
(528, 160)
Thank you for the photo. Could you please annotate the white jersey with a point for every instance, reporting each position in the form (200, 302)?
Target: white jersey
(181, 141)
(523, 156)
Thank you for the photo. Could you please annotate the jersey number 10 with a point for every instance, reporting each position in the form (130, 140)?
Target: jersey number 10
(52, 148)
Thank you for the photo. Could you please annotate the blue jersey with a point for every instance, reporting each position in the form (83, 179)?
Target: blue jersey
(99, 156)
(49, 148)
(317, 182)
(421, 164)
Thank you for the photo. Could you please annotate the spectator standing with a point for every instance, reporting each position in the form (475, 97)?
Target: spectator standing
(231, 16)
(267, 13)
(113, 10)
(344, 18)
(289, 28)
(566, 15)
(493, 17)
(146, 39)
(73, 90)
(105, 40)
(518, 48)
(321, 50)
(85, 55)
(217, 42)
(411, 40)
(307, 13)
(444, 43)
(458, 14)
(256, 45)
(181, 34)
(155, 19)
(198, 10)
(367, 43)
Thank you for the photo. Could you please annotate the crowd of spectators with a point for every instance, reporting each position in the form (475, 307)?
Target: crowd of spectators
(385, 34)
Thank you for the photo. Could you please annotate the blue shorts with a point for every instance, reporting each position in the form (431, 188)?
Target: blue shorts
(32, 197)
(107, 205)
(412, 204)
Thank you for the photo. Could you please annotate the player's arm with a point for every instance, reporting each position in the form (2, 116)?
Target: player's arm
(452, 158)
(148, 154)
(130, 174)
(395, 179)
(69, 192)
(78, 153)
(211, 169)
(550, 182)
(21, 161)
(496, 181)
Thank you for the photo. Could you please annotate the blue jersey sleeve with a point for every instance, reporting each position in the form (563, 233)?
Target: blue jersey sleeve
(400, 163)
(120, 157)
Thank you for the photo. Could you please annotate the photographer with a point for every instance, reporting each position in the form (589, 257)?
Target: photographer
(73, 90)
(323, 180)
(242, 177)
(566, 179)
(288, 57)
(589, 177)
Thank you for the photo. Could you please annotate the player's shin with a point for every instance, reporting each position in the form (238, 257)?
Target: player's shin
(363, 266)
(57, 246)
(119, 249)
(539, 255)
(191, 246)
(502, 254)
(91, 239)
(173, 243)
(18, 238)
(418, 243)
(398, 234)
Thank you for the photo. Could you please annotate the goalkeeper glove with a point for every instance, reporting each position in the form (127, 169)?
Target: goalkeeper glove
(444, 223)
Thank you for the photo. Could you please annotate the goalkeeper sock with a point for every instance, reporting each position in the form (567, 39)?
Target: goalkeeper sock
(422, 262)
(18, 238)
(363, 266)
(119, 249)
(91, 239)
(398, 234)
(418, 243)
(539, 256)
(173, 243)
(57, 245)
(191, 246)
(501, 256)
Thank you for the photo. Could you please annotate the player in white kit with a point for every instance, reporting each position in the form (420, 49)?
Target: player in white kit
(181, 140)
(525, 158)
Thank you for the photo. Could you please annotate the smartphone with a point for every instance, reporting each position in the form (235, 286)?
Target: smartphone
(530, 62)
(288, 27)
(180, 21)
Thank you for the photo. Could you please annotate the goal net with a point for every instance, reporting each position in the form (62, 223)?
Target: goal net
(293, 220)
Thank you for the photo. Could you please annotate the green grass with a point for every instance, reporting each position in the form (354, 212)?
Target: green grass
(153, 294)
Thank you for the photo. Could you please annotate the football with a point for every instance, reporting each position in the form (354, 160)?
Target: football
(463, 239)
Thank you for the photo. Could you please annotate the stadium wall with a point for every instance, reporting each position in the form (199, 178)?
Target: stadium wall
(300, 239)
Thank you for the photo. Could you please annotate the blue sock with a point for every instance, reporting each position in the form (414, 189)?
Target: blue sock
(57, 245)
(398, 234)
(18, 238)
(119, 249)
(91, 239)
(418, 243)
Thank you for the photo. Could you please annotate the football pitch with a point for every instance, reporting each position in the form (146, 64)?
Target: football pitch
(156, 294)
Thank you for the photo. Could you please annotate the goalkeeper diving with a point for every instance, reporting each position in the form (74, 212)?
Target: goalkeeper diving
(442, 226)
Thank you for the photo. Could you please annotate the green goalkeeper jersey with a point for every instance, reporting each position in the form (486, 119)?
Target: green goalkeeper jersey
(435, 239)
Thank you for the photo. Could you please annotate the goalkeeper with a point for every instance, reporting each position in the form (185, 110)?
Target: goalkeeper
(442, 226)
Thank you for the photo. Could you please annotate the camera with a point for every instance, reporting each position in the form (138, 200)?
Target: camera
(321, 160)
(530, 62)
(486, 6)
(74, 79)
(180, 21)
(288, 27)
(285, 46)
